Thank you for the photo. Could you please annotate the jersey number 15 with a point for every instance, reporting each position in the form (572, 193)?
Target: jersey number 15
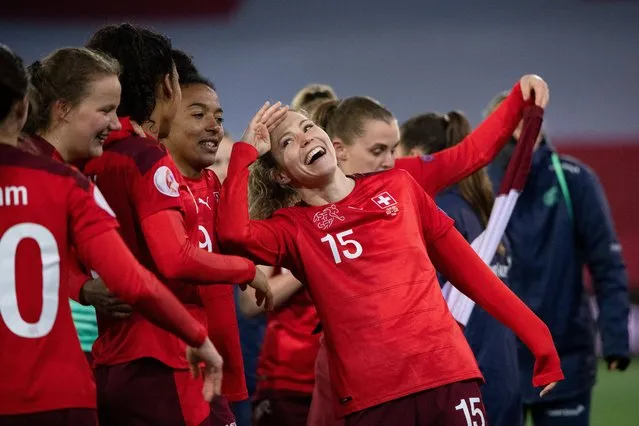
(354, 245)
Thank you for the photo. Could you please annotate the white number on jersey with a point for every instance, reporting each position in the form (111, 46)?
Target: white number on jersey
(357, 247)
(473, 413)
(206, 244)
(50, 257)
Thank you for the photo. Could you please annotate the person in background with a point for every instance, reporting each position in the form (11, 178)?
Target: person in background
(74, 93)
(251, 329)
(561, 224)
(311, 95)
(140, 370)
(196, 134)
(469, 204)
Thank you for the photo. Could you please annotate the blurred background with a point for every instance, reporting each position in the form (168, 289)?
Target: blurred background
(413, 56)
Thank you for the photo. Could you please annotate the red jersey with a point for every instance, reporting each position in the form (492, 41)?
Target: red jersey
(286, 360)
(388, 330)
(42, 203)
(352, 255)
(287, 357)
(200, 196)
(138, 178)
(77, 275)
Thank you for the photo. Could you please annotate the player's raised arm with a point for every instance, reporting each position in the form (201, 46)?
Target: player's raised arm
(481, 146)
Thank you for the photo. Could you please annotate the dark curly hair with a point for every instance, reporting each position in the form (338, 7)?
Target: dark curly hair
(187, 71)
(145, 57)
(13, 80)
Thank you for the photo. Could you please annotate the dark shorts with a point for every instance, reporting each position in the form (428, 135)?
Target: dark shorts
(147, 392)
(221, 413)
(281, 409)
(66, 417)
(456, 404)
(573, 411)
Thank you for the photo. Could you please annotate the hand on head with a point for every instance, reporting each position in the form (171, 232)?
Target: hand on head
(263, 123)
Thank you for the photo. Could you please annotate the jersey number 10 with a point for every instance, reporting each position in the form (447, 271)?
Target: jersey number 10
(50, 258)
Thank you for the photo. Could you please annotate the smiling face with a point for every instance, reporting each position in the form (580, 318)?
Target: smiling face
(197, 129)
(303, 152)
(90, 121)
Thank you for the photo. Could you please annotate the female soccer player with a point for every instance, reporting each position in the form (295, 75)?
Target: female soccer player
(140, 370)
(196, 134)
(285, 367)
(46, 209)
(360, 244)
(74, 93)
(366, 135)
(469, 204)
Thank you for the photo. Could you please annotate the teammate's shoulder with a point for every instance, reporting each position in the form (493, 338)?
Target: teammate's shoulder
(42, 164)
(382, 174)
(143, 152)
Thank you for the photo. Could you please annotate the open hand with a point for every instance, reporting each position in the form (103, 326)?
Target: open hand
(266, 119)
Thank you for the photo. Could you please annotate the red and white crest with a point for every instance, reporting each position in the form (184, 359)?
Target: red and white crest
(385, 201)
(325, 218)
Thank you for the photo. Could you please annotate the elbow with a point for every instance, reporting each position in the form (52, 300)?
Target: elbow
(171, 269)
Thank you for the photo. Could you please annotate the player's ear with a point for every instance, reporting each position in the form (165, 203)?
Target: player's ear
(341, 150)
(280, 177)
(59, 110)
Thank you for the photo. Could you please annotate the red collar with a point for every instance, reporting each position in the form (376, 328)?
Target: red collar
(46, 148)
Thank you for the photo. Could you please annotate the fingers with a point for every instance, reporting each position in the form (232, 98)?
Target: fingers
(266, 116)
(276, 117)
(270, 301)
(532, 85)
(194, 367)
(116, 305)
(547, 389)
(208, 388)
(614, 365)
(258, 116)
(217, 380)
(259, 297)
(119, 315)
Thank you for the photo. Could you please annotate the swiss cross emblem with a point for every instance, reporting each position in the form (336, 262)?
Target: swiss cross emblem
(324, 218)
(385, 201)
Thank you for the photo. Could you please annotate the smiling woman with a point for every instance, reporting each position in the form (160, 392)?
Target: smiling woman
(74, 95)
(198, 126)
(348, 240)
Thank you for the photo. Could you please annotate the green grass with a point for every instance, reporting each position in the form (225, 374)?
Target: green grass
(616, 397)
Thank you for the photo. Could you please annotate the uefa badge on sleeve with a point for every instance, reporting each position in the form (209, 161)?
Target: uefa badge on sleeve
(165, 182)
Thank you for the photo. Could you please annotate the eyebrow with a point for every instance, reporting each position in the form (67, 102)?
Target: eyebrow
(299, 123)
(204, 106)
